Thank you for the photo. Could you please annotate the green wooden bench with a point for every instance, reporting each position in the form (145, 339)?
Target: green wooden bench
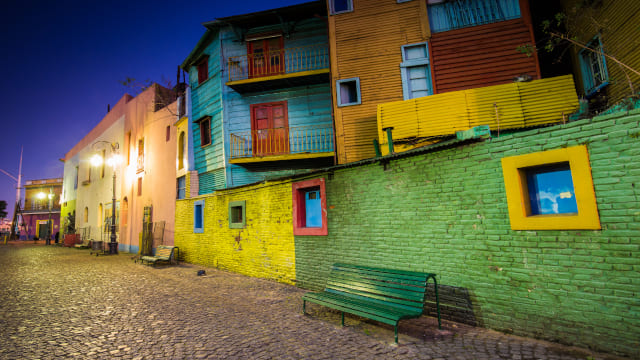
(164, 253)
(384, 295)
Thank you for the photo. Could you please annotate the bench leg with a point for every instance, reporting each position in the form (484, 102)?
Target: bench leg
(304, 307)
(343, 318)
(396, 332)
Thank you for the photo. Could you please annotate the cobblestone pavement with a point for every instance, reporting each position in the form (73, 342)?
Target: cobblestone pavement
(63, 303)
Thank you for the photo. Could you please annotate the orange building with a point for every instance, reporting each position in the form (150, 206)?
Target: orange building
(390, 50)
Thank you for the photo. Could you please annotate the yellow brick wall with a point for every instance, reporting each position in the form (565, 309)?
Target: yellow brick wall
(264, 248)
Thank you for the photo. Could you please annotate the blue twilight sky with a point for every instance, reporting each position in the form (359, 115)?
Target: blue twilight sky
(61, 62)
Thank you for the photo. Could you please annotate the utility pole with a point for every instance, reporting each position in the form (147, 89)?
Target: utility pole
(18, 180)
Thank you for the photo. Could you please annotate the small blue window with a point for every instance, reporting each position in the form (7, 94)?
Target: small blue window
(181, 187)
(551, 190)
(348, 92)
(340, 6)
(198, 216)
(313, 208)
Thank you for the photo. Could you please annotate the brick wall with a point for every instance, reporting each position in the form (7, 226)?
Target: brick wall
(264, 248)
(446, 212)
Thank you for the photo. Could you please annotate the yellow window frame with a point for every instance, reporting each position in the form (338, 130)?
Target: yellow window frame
(515, 181)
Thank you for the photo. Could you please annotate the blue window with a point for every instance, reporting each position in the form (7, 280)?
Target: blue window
(551, 190)
(594, 67)
(348, 92)
(198, 216)
(416, 74)
(313, 208)
(340, 6)
(449, 15)
(181, 187)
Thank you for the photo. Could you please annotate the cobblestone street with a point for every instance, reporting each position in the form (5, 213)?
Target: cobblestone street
(63, 303)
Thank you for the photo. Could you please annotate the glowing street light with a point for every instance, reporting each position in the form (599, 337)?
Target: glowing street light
(41, 195)
(113, 161)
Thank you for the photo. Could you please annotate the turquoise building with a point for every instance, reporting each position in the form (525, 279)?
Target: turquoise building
(261, 96)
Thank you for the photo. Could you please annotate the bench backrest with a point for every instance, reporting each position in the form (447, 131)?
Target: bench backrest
(164, 252)
(403, 289)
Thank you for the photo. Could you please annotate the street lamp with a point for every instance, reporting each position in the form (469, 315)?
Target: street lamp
(113, 161)
(41, 195)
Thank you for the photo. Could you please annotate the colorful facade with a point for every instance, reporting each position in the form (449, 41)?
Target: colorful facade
(41, 213)
(245, 230)
(139, 133)
(607, 26)
(385, 51)
(260, 96)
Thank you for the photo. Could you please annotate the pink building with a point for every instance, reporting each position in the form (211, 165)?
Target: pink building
(41, 213)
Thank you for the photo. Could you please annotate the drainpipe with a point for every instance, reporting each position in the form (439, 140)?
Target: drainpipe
(389, 139)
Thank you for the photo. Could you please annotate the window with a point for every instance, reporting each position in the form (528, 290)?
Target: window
(168, 135)
(128, 147)
(203, 70)
(140, 186)
(340, 6)
(237, 214)
(309, 207)
(75, 182)
(269, 128)
(205, 130)
(198, 216)
(85, 215)
(542, 193)
(594, 67)
(416, 75)
(181, 150)
(104, 153)
(348, 92)
(181, 187)
(140, 160)
(450, 15)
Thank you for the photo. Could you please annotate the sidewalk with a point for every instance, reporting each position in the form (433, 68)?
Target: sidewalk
(59, 302)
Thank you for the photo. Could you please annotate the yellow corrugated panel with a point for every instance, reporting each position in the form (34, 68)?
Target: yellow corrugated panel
(546, 101)
(507, 106)
(442, 114)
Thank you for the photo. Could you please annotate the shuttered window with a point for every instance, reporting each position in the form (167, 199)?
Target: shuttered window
(456, 14)
(594, 67)
(416, 74)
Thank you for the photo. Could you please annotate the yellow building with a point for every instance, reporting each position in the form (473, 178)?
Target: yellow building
(610, 26)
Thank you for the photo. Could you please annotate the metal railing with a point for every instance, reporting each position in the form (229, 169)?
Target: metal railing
(280, 141)
(277, 62)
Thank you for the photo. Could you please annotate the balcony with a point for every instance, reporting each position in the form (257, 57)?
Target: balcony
(502, 107)
(279, 68)
(293, 143)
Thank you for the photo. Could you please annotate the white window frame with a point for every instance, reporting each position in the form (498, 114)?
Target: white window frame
(411, 63)
(332, 8)
(358, 94)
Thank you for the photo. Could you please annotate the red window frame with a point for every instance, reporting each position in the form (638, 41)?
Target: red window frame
(204, 125)
(203, 70)
(299, 214)
(269, 139)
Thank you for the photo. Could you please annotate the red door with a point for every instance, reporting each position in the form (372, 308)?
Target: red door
(270, 129)
(266, 57)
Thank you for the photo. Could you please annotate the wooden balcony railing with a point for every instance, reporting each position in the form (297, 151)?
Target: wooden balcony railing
(282, 141)
(278, 62)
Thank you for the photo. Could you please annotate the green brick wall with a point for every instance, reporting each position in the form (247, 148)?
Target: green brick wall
(446, 212)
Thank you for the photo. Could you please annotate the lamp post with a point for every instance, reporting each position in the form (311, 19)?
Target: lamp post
(113, 161)
(41, 195)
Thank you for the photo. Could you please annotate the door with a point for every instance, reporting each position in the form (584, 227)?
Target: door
(266, 57)
(270, 129)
